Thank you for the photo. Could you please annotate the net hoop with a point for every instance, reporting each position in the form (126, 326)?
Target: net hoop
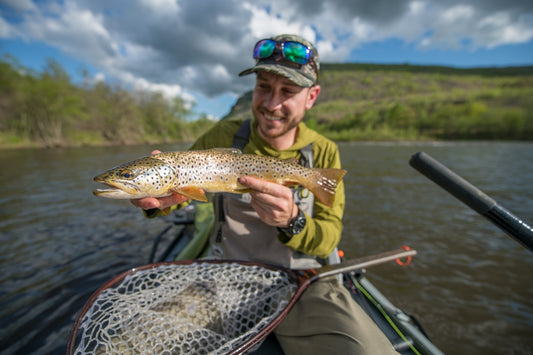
(274, 291)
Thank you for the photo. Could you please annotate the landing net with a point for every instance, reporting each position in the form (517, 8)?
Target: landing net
(199, 308)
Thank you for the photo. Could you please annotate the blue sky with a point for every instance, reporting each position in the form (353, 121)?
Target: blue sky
(195, 49)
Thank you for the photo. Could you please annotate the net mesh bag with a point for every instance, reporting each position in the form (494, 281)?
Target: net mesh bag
(200, 308)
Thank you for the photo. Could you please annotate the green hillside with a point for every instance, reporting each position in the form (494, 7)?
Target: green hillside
(399, 102)
(357, 102)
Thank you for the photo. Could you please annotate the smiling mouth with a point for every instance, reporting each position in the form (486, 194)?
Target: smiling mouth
(272, 118)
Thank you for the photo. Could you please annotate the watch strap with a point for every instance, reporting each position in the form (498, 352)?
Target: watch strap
(296, 225)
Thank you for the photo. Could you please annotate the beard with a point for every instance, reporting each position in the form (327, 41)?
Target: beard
(272, 127)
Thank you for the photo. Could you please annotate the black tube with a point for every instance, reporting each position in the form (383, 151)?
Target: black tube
(473, 197)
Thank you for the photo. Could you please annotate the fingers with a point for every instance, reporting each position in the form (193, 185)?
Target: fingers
(268, 192)
(160, 203)
(146, 203)
(272, 202)
(269, 188)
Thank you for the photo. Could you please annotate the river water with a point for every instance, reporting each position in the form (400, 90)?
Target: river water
(471, 285)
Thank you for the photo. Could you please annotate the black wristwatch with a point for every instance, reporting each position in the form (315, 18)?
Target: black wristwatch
(296, 226)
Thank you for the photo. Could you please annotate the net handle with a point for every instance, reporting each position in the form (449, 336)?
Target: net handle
(363, 262)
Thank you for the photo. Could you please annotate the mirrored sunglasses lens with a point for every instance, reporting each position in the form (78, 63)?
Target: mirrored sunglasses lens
(264, 49)
(296, 52)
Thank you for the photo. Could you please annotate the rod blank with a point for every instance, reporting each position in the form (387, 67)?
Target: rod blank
(473, 198)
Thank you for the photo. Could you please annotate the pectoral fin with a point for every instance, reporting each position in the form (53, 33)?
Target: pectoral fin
(192, 192)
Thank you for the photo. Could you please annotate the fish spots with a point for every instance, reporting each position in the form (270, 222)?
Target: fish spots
(213, 170)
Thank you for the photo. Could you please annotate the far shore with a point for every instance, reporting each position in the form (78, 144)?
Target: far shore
(34, 145)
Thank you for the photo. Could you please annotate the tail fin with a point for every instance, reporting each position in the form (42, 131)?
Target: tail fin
(325, 183)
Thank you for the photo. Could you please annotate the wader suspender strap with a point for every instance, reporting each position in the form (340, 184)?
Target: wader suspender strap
(241, 138)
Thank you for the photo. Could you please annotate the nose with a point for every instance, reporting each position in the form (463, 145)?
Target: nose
(273, 100)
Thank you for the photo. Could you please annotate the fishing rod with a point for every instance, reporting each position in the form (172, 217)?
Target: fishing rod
(473, 198)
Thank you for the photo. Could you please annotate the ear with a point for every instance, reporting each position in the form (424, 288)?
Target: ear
(311, 96)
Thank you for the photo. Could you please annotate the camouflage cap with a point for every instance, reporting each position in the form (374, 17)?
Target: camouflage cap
(305, 75)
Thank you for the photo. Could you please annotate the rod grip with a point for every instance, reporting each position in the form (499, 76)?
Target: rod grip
(453, 183)
(473, 197)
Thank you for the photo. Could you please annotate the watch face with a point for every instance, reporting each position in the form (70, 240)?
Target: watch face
(298, 224)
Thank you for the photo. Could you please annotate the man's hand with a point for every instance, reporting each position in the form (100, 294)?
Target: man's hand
(161, 202)
(273, 202)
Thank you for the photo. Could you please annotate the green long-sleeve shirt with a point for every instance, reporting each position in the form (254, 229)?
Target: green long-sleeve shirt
(323, 231)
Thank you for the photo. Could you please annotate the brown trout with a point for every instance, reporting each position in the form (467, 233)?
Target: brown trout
(192, 173)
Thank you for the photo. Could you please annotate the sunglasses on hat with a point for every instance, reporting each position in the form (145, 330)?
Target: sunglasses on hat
(293, 51)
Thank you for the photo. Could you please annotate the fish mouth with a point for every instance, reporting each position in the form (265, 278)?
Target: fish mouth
(116, 189)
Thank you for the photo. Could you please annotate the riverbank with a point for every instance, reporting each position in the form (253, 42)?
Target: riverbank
(384, 140)
(8, 142)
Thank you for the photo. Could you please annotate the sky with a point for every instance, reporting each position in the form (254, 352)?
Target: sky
(195, 49)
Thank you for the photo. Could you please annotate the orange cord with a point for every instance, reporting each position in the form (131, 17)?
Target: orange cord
(409, 258)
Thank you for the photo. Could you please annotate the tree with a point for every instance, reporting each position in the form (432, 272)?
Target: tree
(51, 103)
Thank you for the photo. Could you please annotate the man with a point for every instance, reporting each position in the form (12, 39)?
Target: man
(272, 223)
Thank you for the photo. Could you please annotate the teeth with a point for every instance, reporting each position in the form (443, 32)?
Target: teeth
(272, 118)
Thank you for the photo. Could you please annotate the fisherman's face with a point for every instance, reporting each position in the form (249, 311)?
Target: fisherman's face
(279, 106)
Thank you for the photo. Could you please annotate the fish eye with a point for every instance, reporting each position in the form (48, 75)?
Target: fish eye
(126, 174)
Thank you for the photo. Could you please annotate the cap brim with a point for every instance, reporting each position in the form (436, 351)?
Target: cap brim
(292, 74)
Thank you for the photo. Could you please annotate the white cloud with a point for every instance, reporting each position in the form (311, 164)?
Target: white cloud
(509, 31)
(169, 91)
(168, 7)
(417, 7)
(99, 77)
(6, 30)
(74, 30)
(457, 13)
(264, 24)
